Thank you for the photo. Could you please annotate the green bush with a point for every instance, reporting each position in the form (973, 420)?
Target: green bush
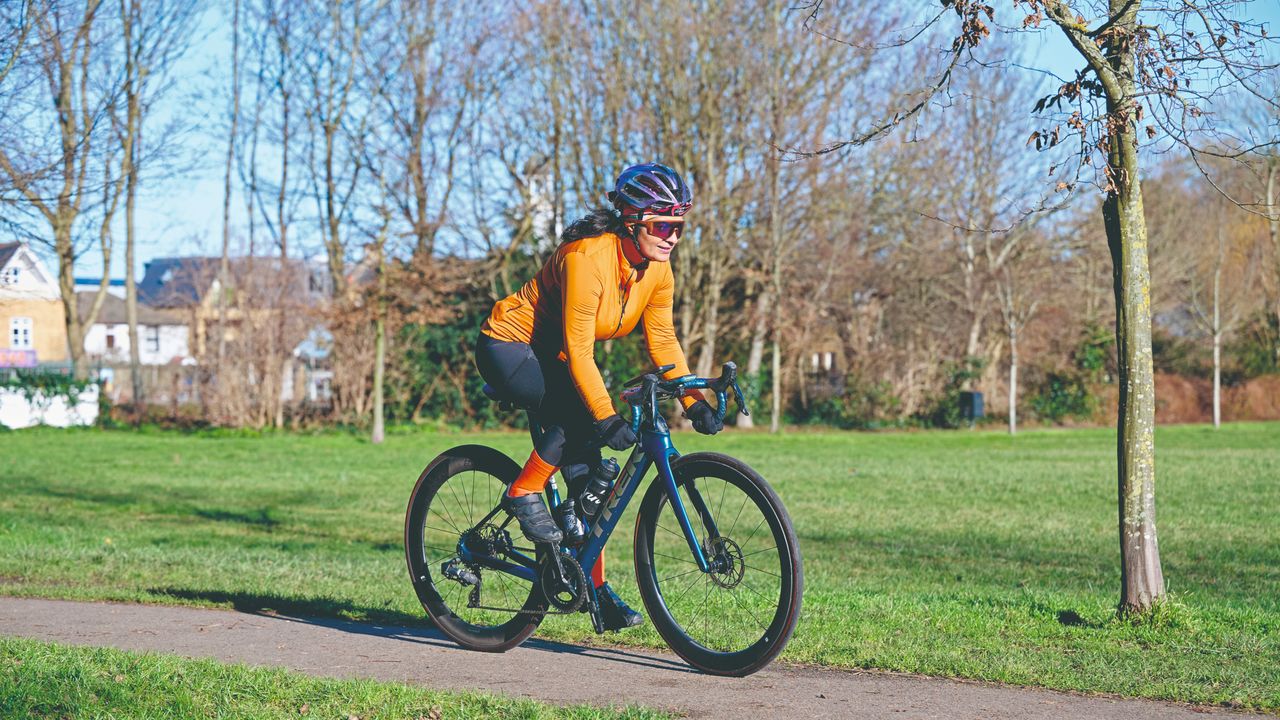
(31, 383)
(1179, 356)
(861, 405)
(1254, 350)
(1062, 395)
(943, 411)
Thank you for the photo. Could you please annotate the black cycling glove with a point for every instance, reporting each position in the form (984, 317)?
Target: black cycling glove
(616, 433)
(704, 418)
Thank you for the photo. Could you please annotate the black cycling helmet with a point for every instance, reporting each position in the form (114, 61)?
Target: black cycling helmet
(651, 188)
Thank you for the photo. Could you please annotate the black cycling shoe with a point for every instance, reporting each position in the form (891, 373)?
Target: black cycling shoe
(535, 520)
(615, 613)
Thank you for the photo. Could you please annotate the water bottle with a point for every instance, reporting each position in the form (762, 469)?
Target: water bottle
(597, 489)
(574, 531)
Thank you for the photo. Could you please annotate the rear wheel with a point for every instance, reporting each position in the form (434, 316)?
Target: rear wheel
(735, 619)
(452, 496)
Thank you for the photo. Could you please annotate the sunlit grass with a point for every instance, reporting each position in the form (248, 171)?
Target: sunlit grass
(42, 680)
(966, 554)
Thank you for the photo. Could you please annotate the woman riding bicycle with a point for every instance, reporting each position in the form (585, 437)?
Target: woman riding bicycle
(536, 349)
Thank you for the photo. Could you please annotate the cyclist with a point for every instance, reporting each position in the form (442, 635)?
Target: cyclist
(609, 273)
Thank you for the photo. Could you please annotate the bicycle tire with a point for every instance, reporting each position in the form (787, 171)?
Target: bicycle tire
(424, 568)
(684, 638)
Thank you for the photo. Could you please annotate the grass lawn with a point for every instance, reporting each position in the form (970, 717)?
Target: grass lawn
(966, 554)
(42, 680)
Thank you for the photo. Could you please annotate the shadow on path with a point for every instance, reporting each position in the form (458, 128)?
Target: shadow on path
(326, 613)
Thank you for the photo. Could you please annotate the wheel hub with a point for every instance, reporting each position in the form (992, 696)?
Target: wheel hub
(727, 565)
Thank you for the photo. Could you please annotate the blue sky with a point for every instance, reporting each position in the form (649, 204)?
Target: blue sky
(183, 215)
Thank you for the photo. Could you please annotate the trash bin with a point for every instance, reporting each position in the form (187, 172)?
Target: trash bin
(971, 406)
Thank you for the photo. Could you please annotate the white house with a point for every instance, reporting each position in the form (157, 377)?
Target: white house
(163, 336)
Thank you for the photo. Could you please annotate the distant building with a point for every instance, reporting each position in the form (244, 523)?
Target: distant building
(114, 287)
(191, 284)
(163, 336)
(31, 314)
(260, 288)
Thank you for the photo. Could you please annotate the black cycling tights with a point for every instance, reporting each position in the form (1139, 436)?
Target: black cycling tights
(542, 385)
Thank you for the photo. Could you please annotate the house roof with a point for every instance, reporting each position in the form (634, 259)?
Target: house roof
(176, 281)
(7, 251)
(114, 282)
(184, 281)
(113, 311)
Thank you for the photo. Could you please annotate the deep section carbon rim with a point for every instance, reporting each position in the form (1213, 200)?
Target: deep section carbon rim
(457, 506)
(736, 618)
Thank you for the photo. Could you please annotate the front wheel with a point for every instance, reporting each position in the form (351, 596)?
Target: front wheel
(735, 619)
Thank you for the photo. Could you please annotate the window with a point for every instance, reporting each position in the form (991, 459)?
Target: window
(111, 340)
(20, 330)
(11, 276)
(153, 338)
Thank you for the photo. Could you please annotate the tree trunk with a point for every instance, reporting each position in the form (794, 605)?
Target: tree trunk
(1217, 332)
(67, 289)
(224, 264)
(776, 410)
(1142, 581)
(133, 131)
(711, 319)
(131, 296)
(380, 351)
(1013, 381)
(1273, 225)
(755, 358)
(280, 350)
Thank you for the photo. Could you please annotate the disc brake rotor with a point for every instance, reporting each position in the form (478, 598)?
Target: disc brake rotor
(727, 563)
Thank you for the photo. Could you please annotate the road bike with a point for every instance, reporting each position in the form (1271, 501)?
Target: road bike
(722, 583)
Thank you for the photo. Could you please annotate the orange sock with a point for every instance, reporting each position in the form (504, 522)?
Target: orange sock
(597, 572)
(533, 478)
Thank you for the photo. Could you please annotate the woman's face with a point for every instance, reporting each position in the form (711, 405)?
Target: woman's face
(650, 234)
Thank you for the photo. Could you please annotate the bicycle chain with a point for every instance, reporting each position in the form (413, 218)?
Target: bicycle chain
(579, 605)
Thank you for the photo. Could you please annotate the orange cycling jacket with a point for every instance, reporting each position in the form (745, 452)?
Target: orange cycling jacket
(589, 291)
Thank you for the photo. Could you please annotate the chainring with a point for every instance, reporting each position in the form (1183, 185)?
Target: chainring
(568, 596)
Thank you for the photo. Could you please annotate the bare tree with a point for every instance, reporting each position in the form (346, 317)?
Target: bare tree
(68, 82)
(426, 106)
(155, 34)
(1163, 56)
(1020, 289)
(224, 264)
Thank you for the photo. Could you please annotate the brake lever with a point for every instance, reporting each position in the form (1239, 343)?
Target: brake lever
(737, 397)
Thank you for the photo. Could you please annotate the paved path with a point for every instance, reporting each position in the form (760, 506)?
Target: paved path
(599, 676)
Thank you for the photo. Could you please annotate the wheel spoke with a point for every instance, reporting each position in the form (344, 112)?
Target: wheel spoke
(742, 507)
(754, 530)
(757, 552)
(677, 559)
(761, 570)
(677, 575)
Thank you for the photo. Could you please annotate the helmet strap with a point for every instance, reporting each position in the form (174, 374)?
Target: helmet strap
(644, 261)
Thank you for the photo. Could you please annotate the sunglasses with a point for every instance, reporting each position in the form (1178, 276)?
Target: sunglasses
(663, 229)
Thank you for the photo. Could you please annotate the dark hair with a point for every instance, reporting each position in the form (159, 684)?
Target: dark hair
(597, 222)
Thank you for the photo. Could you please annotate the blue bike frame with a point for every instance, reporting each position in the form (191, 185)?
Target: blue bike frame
(655, 449)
